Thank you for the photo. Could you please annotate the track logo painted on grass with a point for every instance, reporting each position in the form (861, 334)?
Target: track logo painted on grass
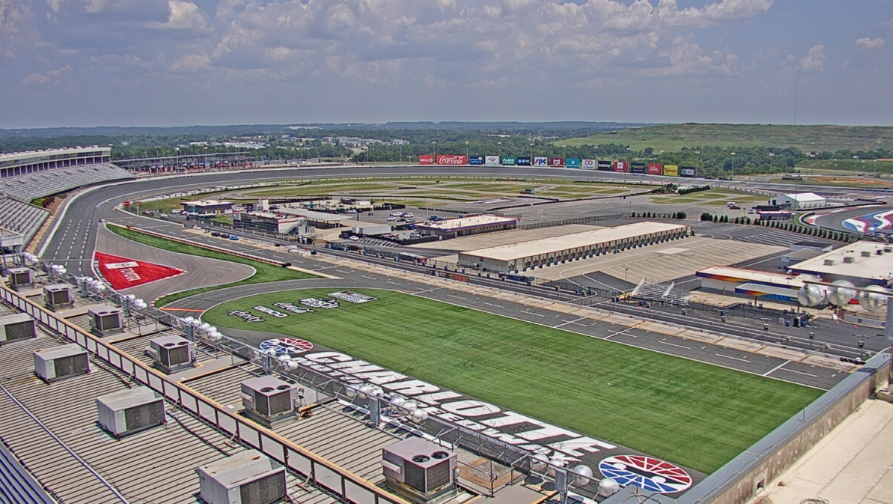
(286, 346)
(124, 273)
(647, 473)
(870, 223)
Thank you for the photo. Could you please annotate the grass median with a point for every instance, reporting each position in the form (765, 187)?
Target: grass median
(688, 412)
(263, 272)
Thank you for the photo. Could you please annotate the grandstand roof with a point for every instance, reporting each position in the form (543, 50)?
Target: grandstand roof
(27, 156)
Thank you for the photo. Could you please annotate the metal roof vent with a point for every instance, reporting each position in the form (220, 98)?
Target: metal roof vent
(105, 320)
(419, 470)
(129, 411)
(829, 262)
(866, 253)
(20, 278)
(57, 296)
(171, 353)
(249, 477)
(888, 250)
(268, 399)
(16, 327)
(849, 259)
(51, 364)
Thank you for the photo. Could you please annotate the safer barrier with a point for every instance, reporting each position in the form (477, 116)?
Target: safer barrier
(325, 474)
(208, 247)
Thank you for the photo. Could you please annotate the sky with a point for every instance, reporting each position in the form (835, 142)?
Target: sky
(189, 62)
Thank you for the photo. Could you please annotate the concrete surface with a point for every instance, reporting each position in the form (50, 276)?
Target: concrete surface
(851, 465)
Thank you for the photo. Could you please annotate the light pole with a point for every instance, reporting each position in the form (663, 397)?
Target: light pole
(733, 164)
(531, 154)
(435, 151)
(178, 159)
(499, 151)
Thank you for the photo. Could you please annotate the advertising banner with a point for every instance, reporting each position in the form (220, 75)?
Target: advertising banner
(603, 165)
(426, 159)
(654, 169)
(637, 167)
(541, 161)
(491, 160)
(688, 171)
(671, 170)
(476, 160)
(451, 160)
(572, 163)
(507, 161)
(556, 162)
(588, 164)
(523, 160)
(621, 166)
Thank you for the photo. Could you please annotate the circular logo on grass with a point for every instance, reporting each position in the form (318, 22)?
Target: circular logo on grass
(286, 346)
(647, 473)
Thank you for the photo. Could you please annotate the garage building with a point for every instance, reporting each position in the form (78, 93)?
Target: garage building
(539, 253)
(863, 263)
(799, 201)
(467, 226)
(207, 208)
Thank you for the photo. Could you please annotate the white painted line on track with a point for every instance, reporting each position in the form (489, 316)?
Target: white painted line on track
(493, 305)
(569, 322)
(798, 372)
(776, 368)
(531, 313)
(733, 358)
(673, 344)
(620, 332)
(455, 296)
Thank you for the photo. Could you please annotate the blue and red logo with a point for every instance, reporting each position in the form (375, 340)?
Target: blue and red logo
(286, 346)
(647, 473)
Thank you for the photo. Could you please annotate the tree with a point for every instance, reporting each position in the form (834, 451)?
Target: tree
(706, 216)
(680, 215)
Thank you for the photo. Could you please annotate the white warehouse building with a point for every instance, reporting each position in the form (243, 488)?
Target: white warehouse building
(799, 201)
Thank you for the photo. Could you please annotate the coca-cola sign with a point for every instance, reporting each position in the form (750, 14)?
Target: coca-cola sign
(449, 159)
(426, 159)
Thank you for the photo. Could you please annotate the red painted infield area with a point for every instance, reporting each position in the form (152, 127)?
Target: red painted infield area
(124, 273)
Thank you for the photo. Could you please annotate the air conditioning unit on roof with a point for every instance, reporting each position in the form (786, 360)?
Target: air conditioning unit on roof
(268, 399)
(420, 470)
(20, 278)
(249, 477)
(129, 411)
(105, 320)
(16, 327)
(171, 353)
(55, 363)
(57, 296)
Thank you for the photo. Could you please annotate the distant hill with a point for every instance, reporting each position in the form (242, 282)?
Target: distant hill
(672, 137)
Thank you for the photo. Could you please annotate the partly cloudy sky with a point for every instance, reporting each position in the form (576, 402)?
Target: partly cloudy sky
(181, 62)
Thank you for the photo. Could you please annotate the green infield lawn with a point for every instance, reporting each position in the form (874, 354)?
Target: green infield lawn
(263, 272)
(688, 412)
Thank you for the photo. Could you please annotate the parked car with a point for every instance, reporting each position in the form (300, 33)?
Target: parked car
(392, 218)
(233, 237)
(215, 233)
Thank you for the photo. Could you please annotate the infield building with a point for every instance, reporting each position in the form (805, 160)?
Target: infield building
(548, 251)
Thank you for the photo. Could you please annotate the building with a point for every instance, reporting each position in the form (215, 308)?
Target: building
(862, 263)
(269, 222)
(207, 208)
(467, 226)
(748, 282)
(21, 163)
(799, 201)
(549, 251)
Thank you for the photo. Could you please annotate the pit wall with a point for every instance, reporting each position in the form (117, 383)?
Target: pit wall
(741, 479)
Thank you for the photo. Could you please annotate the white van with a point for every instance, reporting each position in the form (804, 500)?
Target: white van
(407, 215)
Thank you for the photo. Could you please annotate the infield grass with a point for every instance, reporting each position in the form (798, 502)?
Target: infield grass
(263, 272)
(688, 412)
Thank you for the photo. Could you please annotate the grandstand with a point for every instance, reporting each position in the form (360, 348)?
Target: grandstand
(19, 221)
(26, 188)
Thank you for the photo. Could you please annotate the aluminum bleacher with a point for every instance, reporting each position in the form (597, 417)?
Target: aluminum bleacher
(26, 188)
(22, 219)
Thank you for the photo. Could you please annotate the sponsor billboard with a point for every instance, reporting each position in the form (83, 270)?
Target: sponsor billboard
(451, 160)
(621, 166)
(556, 162)
(524, 161)
(688, 171)
(507, 161)
(588, 164)
(671, 170)
(637, 167)
(541, 161)
(476, 160)
(603, 165)
(491, 160)
(426, 159)
(654, 169)
(572, 162)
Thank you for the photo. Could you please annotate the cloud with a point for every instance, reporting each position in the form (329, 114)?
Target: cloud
(814, 61)
(195, 62)
(53, 76)
(183, 16)
(870, 44)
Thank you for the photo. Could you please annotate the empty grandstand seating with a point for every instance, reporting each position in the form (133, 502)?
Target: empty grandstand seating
(20, 218)
(26, 188)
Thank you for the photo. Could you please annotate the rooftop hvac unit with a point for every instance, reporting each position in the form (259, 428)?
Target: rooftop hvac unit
(866, 253)
(129, 411)
(16, 327)
(171, 353)
(268, 399)
(51, 364)
(420, 470)
(849, 259)
(105, 320)
(20, 278)
(57, 296)
(829, 262)
(249, 477)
